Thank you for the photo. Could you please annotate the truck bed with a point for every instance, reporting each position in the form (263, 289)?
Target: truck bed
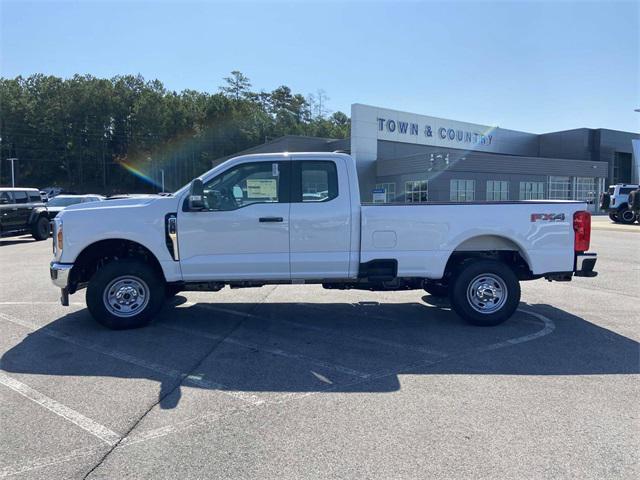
(423, 236)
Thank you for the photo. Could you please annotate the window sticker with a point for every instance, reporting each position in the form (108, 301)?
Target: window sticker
(262, 188)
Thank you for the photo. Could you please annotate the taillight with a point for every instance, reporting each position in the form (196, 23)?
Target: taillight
(582, 229)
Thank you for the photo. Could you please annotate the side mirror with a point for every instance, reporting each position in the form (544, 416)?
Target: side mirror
(196, 195)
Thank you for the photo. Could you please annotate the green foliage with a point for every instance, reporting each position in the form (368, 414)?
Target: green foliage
(78, 133)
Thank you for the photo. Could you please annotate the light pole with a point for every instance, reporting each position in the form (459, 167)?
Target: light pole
(13, 176)
(162, 176)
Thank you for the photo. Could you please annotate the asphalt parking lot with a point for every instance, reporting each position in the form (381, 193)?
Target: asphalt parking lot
(301, 382)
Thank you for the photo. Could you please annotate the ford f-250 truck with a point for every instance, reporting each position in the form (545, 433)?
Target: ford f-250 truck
(297, 219)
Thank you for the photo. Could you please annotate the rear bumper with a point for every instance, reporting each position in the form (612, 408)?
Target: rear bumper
(585, 264)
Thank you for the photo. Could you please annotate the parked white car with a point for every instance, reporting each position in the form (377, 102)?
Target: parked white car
(60, 202)
(251, 221)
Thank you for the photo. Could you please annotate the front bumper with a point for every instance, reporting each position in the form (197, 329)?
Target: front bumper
(60, 274)
(60, 278)
(585, 263)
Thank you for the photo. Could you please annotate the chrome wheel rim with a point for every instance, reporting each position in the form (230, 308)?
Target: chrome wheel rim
(487, 293)
(126, 296)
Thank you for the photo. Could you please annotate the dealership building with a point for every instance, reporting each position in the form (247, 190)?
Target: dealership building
(406, 157)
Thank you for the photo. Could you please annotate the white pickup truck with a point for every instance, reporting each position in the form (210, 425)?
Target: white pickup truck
(297, 219)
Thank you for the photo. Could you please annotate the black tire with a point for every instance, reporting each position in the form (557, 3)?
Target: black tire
(626, 216)
(493, 277)
(147, 288)
(40, 228)
(614, 217)
(436, 289)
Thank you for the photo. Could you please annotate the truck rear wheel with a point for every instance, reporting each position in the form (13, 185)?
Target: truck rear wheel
(485, 292)
(40, 228)
(125, 294)
(614, 217)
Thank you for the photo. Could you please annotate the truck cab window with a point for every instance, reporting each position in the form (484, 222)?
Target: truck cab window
(5, 198)
(319, 181)
(20, 197)
(244, 185)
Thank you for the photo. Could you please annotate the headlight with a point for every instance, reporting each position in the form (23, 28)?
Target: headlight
(59, 237)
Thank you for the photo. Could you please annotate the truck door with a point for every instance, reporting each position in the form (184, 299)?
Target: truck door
(320, 220)
(24, 208)
(243, 231)
(10, 218)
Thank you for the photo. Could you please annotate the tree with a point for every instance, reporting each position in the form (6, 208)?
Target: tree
(237, 86)
(89, 134)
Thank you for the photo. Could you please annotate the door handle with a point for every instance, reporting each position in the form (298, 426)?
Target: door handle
(270, 219)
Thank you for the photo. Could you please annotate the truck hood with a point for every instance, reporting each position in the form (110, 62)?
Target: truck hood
(120, 203)
(154, 206)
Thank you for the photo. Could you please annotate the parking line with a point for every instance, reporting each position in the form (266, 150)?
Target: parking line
(85, 423)
(207, 418)
(357, 336)
(16, 468)
(267, 349)
(39, 303)
(139, 362)
(548, 327)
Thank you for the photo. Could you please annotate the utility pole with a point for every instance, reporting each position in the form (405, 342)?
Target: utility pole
(13, 175)
(162, 176)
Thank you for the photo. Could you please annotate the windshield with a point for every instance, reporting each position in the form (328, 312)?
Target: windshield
(64, 201)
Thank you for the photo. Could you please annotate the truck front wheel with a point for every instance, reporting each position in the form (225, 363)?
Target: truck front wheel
(125, 294)
(485, 292)
(613, 216)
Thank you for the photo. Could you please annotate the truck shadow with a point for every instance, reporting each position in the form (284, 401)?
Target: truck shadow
(275, 348)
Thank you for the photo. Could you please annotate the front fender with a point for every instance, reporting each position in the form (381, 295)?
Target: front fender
(142, 225)
(36, 213)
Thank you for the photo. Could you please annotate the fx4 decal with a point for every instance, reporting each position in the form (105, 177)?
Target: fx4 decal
(547, 217)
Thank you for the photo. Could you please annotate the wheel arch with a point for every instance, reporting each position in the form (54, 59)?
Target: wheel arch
(491, 246)
(36, 213)
(101, 252)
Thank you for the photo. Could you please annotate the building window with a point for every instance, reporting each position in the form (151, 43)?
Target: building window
(462, 190)
(389, 191)
(531, 190)
(585, 189)
(559, 188)
(416, 191)
(497, 190)
(622, 167)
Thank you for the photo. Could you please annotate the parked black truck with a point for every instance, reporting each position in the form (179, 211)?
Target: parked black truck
(23, 211)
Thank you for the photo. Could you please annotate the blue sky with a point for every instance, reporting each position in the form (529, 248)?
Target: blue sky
(533, 66)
